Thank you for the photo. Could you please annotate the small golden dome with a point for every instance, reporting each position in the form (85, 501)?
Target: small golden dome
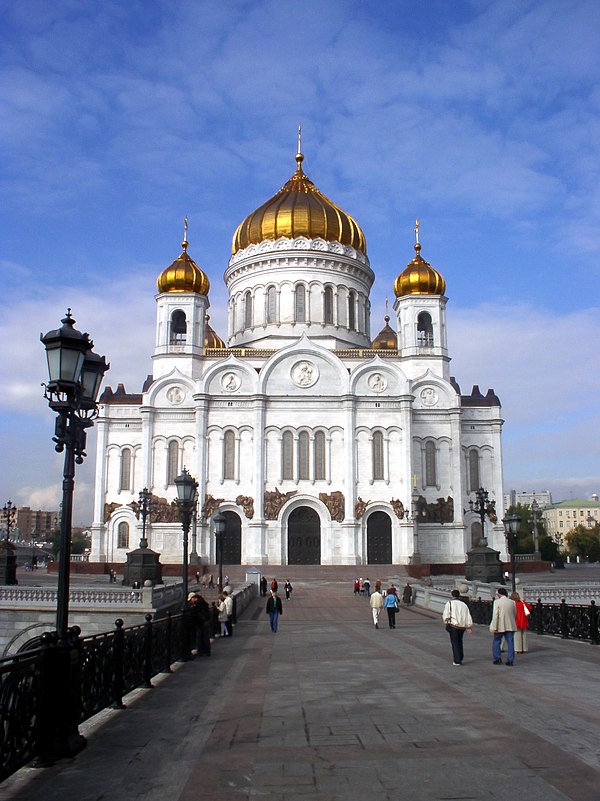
(211, 339)
(419, 278)
(386, 339)
(183, 275)
(299, 209)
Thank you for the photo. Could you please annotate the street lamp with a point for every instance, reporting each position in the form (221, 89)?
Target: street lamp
(145, 501)
(484, 508)
(511, 532)
(187, 487)
(534, 506)
(10, 511)
(75, 374)
(220, 522)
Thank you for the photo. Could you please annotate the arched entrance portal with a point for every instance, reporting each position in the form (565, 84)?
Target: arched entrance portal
(304, 537)
(379, 539)
(232, 539)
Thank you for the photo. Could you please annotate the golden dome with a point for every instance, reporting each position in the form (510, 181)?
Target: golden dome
(419, 278)
(211, 339)
(183, 275)
(386, 339)
(299, 209)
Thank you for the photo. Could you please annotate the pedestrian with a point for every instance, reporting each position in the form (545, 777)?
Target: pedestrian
(197, 577)
(457, 617)
(288, 590)
(361, 586)
(274, 585)
(356, 586)
(263, 586)
(522, 621)
(222, 610)
(407, 594)
(391, 605)
(211, 582)
(274, 609)
(367, 587)
(503, 624)
(376, 604)
(226, 581)
(200, 618)
(228, 601)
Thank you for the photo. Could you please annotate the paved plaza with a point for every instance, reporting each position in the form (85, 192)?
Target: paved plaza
(331, 709)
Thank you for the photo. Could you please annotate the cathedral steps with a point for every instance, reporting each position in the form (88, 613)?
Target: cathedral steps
(327, 573)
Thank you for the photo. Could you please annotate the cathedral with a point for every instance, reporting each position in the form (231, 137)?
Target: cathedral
(318, 442)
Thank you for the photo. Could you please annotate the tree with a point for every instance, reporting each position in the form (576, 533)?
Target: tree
(584, 542)
(525, 541)
(548, 549)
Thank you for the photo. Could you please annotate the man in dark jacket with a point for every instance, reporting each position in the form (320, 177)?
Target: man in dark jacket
(274, 609)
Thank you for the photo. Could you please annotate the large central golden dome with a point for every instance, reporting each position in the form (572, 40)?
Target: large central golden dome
(299, 209)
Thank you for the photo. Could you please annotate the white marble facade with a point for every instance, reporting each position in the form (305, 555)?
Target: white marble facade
(318, 442)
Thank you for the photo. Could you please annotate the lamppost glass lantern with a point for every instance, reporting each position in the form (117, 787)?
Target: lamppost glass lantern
(92, 373)
(66, 349)
(511, 531)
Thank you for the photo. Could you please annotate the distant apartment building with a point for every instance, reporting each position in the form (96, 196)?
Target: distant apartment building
(563, 517)
(512, 498)
(33, 524)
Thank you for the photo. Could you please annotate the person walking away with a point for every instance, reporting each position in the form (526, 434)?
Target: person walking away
(222, 610)
(457, 617)
(228, 601)
(274, 585)
(263, 586)
(367, 586)
(288, 590)
(522, 621)
(274, 609)
(211, 582)
(504, 624)
(376, 604)
(407, 594)
(390, 603)
(356, 586)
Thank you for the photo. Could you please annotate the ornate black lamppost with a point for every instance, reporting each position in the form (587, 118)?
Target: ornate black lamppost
(10, 513)
(219, 523)
(534, 506)
(511, 532)
(143, 564)
(483, 507)
(187, 487)
(75, 374)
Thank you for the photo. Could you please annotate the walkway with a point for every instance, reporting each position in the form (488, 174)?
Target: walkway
(330, 709)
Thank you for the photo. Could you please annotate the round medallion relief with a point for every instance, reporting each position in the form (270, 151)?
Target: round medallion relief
(304, 374)
(175, 395)
(377, 382)
(429, 396)
(230, 382)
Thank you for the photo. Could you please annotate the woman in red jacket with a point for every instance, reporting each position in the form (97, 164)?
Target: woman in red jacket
(522, 620)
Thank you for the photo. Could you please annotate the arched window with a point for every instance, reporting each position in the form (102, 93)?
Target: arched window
(424, 330)
(474, 482)
(271, 304)
(300, 304)
(319, 456)
(303, 455)
(123, 535)
(352, 311)
(125, 477)
(377, 455)
(248, 310)
(430, 464)
(287, 455)
(229, 455)
(178, 328)
(328, 305)
(172, 462)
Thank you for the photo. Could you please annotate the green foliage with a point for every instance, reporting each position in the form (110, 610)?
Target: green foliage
(584, 542)
(525, 540)
(79, 542)
(548, 549)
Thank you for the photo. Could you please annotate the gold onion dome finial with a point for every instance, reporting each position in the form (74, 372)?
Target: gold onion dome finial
(183, 275)
(299, 209)
(211, 338)
(419, 277)
(386, 339)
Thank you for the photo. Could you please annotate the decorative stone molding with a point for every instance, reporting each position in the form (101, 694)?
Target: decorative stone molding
(210, 505)
(360, 507)
(300, 243)
(442, 511)
(398, 508)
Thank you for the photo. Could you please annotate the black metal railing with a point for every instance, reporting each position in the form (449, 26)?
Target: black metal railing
(45, 693)
(568, 621)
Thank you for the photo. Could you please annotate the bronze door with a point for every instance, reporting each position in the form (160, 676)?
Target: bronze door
(304, 537)
(379, 539)
(232, 539)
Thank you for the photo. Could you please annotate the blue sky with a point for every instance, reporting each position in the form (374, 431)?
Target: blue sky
(480, 118)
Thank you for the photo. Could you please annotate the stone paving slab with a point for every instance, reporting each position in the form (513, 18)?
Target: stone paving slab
(331, 709)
